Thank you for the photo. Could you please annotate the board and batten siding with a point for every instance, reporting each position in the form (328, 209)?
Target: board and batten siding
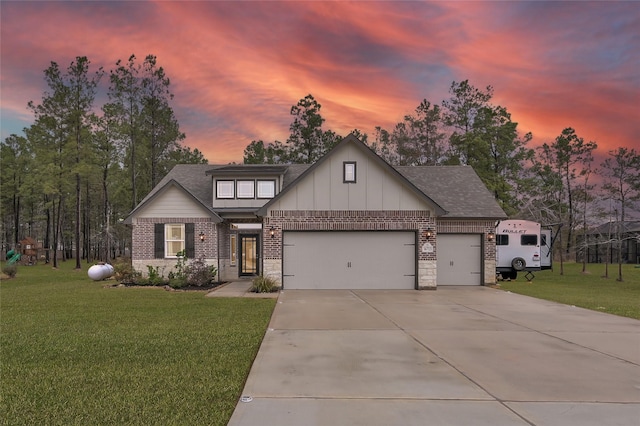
(173, 202)
(375, 188)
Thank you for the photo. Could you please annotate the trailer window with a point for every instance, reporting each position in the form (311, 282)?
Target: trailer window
(502, 240)
(543, 239)
(529, 240)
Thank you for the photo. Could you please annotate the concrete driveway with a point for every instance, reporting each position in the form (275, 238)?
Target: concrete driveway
(454, 356)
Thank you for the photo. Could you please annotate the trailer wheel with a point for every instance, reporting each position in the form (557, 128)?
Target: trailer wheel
(518, 264)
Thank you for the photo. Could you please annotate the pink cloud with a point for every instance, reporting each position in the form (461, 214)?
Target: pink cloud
(236, 68)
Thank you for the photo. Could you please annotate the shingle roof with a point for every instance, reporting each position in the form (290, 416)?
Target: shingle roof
(293, 172)
(191, 178)
(458, 189)
(194, 179)
(247, 169)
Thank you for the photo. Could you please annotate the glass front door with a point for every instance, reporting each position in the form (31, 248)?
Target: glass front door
(248, 254)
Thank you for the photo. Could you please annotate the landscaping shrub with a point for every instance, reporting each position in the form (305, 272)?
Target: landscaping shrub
(200, 274)
(262, 284)
(10, 270)
(177, 282)
(181, 266)
(124, 272)
(186, 273)
(155, 277)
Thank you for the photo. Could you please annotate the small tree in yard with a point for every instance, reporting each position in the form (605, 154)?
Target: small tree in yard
(200, 274)
(196, 272)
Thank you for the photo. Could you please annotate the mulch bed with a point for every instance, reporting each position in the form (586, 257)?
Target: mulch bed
(206, 288)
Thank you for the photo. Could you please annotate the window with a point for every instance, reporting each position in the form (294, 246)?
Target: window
(245, 188)
(529, 240)
(266, 188)
(174, 239)
(502, 240)
(233, 249)
(224, 189)
(349, 174)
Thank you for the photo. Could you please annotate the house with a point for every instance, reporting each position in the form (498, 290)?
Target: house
(350, 220)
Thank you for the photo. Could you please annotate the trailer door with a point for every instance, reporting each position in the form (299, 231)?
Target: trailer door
(545, 249)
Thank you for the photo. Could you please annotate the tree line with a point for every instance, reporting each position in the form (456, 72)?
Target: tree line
(553, 184)
(79, 169)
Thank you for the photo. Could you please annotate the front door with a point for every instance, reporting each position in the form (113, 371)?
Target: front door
(248, 254)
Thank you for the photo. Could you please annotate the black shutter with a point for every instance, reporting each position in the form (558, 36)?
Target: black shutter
(158, 240)
(189, 240)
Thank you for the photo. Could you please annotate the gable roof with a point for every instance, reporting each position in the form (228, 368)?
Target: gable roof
(458, 189)
(351, 139)
(455, 191)
(190, 178)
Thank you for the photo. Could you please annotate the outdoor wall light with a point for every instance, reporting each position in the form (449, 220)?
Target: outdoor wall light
(428, 233)
(491, 236)
(272, 232)
(201, 236)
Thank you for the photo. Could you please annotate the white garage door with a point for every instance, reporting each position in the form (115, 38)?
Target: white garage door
(459, 259)
(349, 260)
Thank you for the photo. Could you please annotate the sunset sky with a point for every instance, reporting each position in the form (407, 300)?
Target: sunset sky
(236, 68)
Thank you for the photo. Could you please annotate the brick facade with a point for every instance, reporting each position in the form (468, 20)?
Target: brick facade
(216, 249)
(143, 242)
(419, 221)
(347, 220)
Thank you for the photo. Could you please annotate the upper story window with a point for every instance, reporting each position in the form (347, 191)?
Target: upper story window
(349, 171)
(245, 188)
(225, 189)
(266, 188)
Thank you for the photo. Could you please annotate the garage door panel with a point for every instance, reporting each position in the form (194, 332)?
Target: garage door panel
(349, 260)
(459, 259)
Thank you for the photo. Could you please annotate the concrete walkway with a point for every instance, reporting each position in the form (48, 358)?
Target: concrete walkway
(455, 356)
(238, 289)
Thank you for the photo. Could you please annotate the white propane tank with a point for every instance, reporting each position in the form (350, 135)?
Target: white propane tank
(100, 272)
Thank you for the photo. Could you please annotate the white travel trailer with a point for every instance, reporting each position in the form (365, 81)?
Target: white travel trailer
(522, 245)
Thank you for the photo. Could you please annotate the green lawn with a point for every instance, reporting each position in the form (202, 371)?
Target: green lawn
(76, 353)
(588, 290)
